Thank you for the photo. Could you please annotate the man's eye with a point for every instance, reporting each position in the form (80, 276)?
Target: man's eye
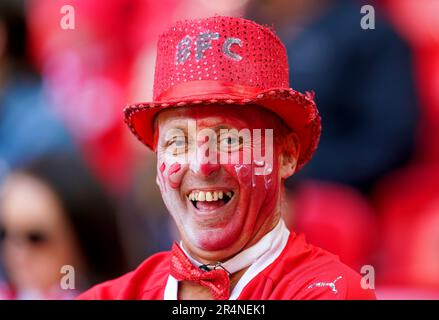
(230, 140)
(178, 143)
(229, 143)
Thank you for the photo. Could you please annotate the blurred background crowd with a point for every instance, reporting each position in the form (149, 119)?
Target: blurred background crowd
(78, 189)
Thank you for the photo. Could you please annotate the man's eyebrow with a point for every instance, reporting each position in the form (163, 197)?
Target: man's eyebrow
(223, 127)
(177, 128)
(177, 125)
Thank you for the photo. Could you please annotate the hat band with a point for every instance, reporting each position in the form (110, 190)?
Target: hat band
(211, 88)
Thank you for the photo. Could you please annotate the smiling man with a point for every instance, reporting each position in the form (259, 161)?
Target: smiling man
(228, 130)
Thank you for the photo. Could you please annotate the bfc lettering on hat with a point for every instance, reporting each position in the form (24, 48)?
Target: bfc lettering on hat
(203, 42)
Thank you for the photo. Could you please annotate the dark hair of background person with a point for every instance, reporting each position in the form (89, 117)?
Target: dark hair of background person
(90, 212)
(12, 18)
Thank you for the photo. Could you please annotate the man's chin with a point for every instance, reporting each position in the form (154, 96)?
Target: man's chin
(218, 239)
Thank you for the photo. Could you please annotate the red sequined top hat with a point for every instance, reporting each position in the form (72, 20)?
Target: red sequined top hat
(225, 60)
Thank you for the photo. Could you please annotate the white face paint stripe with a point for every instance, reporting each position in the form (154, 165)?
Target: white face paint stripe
(194, 166)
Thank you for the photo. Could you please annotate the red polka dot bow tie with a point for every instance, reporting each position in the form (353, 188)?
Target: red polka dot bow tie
(215, 278)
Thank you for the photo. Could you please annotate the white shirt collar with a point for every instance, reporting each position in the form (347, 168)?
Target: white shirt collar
(258, 257)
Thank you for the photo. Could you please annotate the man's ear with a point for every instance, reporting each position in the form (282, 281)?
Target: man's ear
(289, 155)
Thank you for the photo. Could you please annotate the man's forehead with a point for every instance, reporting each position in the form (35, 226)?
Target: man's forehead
(205, 116)
(216, 116)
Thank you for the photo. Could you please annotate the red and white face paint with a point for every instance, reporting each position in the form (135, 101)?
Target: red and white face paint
(221, 188)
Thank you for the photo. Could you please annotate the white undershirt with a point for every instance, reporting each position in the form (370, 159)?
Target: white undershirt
(258, 257)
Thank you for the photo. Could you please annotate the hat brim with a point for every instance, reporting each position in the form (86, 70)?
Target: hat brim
(296, 109)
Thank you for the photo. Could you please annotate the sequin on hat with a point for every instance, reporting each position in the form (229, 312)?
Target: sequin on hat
(225, 60)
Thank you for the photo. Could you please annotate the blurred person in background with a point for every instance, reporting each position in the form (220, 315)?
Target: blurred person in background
(143, 207)
(408, 203)
(91, 70)
(407, 200)
(28, 128)
(363, 80)
(337, 218)
(54, 213)
(418, 24)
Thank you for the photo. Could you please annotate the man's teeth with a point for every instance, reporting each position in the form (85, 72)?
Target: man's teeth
(208, 195)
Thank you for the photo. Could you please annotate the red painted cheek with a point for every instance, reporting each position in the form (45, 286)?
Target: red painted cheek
(173, 170)
(162, 177)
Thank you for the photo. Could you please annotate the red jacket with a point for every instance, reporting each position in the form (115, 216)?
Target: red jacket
(302, 271)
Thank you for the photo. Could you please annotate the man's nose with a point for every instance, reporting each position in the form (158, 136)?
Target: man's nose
(204, 163)
(208, 169)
